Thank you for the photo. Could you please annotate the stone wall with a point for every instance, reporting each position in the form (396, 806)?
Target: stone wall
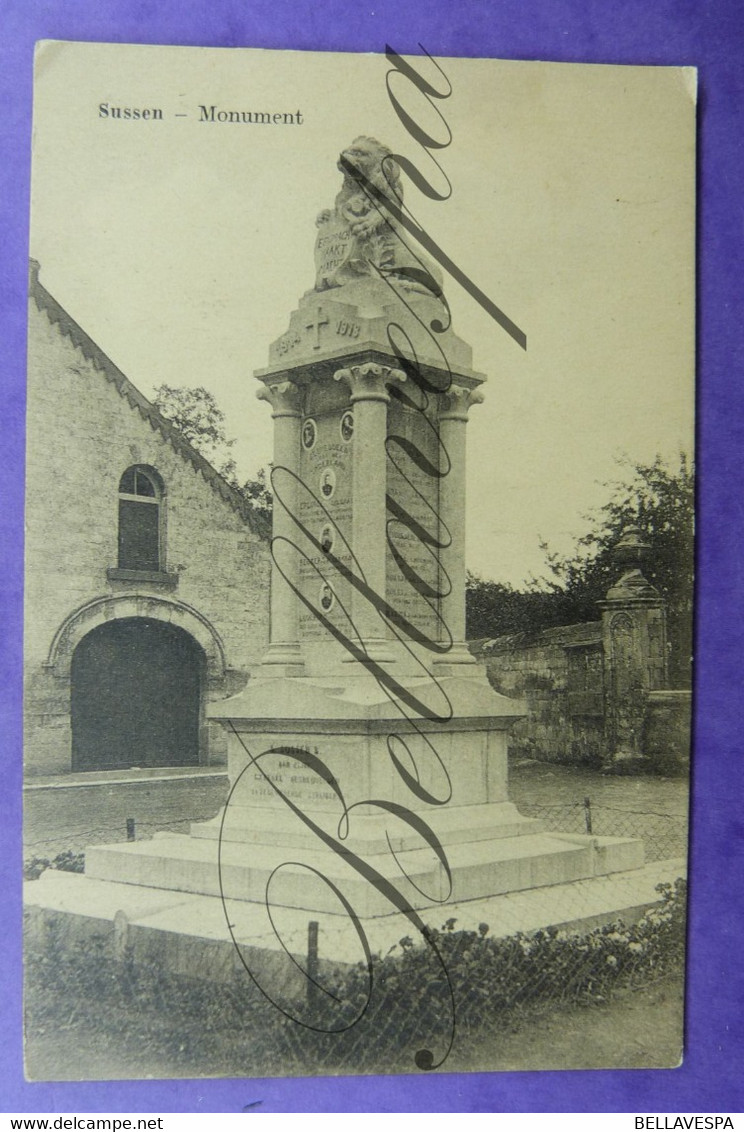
(85, 426)
(559, 673)
(598, 692)
(666, 733)
(563, 675)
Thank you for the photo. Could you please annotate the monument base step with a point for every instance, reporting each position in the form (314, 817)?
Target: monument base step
(266, 874)
(188, 933)
(370, 833)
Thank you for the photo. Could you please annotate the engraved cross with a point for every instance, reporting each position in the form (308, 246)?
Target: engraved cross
(316, 325)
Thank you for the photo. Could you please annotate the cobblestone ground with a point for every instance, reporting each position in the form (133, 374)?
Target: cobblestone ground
(549, 783)
(73, 813)
(646, 806)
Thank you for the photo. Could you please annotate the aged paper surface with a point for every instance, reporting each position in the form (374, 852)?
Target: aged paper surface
(384, 890)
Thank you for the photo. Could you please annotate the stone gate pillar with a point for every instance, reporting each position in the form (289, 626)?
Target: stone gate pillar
(634, 640)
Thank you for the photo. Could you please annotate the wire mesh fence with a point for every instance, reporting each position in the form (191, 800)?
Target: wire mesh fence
(76, 840)
(664, 835)
(454, 992)
(355, 1021)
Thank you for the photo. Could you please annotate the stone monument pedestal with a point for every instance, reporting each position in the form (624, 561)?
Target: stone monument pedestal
(319, 808)
(367, 755)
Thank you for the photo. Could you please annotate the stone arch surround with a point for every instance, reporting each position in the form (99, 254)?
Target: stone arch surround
(101, 610)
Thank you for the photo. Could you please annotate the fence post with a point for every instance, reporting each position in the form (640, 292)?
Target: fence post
(312, 962)
(130, 829)
(588, 814)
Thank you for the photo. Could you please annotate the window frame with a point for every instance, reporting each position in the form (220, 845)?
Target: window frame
(128, 570)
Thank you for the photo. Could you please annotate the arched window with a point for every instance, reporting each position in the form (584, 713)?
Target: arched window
(140, 519)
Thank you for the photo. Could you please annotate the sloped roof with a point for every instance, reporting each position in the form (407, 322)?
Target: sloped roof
(59, 317)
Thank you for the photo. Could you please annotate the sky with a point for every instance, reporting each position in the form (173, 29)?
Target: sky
(182, 246)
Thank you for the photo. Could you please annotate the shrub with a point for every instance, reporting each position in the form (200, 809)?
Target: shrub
(68, 862)
(347, 1025)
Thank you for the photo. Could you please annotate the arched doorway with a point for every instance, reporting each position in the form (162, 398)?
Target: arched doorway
(136, 696)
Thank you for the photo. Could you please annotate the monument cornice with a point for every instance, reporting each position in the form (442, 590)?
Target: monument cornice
(326, 365)
(369, 726)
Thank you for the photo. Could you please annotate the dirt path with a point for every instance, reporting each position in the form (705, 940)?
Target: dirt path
(638, 1029)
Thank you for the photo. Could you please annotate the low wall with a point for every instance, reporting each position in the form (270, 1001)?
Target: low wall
(559, 673)
(562, 674)
(666, 731)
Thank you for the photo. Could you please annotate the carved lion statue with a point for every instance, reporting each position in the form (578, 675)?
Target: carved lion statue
(358, 238)
(352, 203)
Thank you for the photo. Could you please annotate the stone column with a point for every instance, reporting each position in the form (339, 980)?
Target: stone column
(284, 650)
(369, 396)
(453, 417)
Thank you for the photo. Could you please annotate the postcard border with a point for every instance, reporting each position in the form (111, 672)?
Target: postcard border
(576, 30)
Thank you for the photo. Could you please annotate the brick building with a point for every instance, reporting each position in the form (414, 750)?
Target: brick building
(147, 575)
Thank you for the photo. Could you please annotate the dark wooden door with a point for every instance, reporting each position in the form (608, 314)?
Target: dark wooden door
(136, 696)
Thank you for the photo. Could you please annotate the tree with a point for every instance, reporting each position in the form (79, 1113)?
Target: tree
(661, 501)
(494, 609)
(258, 493)
(656, 497)
(196, 414)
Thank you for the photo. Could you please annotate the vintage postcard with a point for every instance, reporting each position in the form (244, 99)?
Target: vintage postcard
(359, 515)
